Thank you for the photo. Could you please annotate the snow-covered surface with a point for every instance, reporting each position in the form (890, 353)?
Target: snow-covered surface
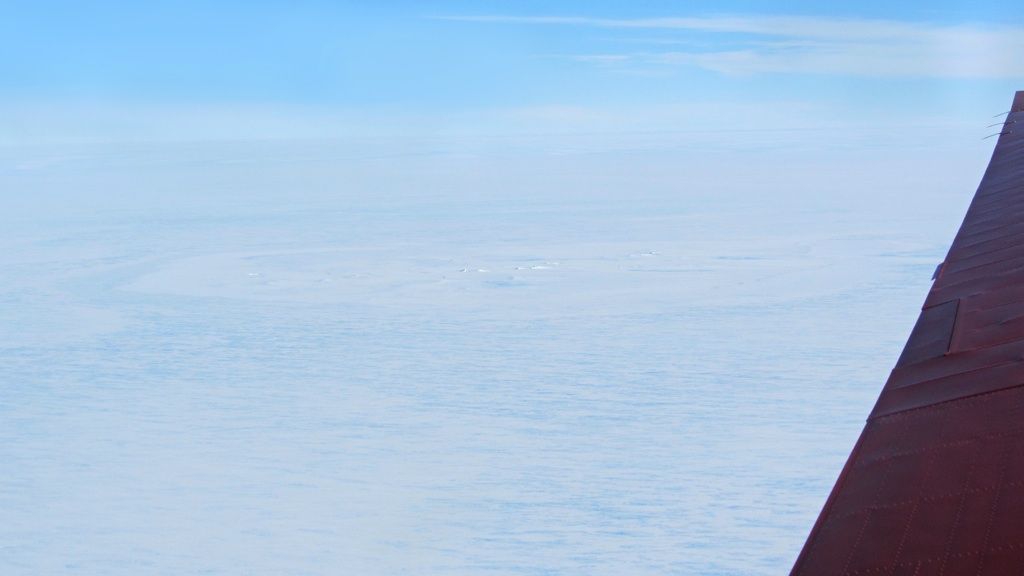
(317, 358)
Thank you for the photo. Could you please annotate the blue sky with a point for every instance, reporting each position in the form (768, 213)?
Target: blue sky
(268, 64)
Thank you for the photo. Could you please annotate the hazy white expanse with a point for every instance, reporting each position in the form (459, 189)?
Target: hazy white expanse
(642, 355)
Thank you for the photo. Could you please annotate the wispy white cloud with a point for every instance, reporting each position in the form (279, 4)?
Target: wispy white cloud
(805, 45)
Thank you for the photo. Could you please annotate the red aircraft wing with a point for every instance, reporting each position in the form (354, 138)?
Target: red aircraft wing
(935, 484)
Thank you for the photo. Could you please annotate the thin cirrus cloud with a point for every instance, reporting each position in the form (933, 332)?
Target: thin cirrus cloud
(806, 45)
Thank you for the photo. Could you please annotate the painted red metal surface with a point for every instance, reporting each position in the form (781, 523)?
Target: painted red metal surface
(935, 484)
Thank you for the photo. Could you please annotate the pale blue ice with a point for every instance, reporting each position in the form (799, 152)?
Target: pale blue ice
(638, 357)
